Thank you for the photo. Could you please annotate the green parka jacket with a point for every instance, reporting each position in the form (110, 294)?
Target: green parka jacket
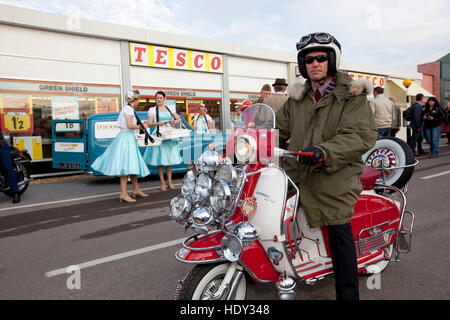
(343, 127)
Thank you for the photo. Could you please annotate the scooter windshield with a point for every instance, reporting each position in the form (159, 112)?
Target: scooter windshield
(258, 116)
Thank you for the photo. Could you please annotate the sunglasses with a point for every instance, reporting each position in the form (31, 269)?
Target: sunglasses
(320, 58)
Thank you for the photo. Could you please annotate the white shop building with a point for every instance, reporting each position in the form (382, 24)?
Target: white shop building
(54, 67)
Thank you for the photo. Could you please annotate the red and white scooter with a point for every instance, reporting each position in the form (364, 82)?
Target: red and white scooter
(247, 229)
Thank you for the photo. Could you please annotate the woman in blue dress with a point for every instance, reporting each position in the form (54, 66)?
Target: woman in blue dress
(168, 153)
(202, 122)
(122, 157)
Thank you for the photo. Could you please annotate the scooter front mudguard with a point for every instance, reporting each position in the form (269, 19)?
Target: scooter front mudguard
(206, 249)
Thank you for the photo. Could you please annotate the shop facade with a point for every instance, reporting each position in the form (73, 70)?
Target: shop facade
(436, 78)
(52, 68)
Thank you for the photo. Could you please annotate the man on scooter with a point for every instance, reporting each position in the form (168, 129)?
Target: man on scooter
(7, 169)
(330, 117)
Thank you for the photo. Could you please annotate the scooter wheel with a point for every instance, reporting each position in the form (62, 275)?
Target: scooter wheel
(391, 152)
(203, 281)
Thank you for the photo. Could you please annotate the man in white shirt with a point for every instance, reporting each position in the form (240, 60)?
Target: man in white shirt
(383, 111)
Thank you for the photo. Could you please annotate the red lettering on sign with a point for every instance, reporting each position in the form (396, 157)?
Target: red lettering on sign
(160, 55)
(181, 59)
(374, 81)
(139, 51)
(381, 82)
(215, 63)
(196, 61)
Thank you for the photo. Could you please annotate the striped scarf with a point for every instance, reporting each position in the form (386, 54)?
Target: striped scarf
(331, 86)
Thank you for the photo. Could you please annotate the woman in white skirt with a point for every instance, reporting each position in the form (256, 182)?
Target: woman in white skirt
(122, 157)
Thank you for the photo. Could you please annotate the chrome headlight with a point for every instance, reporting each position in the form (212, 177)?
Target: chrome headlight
(188, 184)
(203, 185)
(180, 208)
(246, 148)
(202, 216)
(227, 173)
(246, 232)
(220, 196)
(209, 160)
(231, 247)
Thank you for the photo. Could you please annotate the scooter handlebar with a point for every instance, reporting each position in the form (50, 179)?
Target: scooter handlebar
(290, 154)
(295, 154)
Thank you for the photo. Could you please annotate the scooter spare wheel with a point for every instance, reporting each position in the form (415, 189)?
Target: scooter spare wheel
(391, 152)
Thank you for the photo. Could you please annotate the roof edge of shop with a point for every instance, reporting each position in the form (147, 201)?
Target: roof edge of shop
(32, 18)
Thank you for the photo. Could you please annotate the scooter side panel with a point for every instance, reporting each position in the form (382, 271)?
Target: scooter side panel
(372, 210)
(257, 262)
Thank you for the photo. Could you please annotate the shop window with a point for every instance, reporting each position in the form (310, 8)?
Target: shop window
(45, 108)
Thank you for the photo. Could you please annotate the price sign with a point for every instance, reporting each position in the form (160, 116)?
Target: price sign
(17, 122)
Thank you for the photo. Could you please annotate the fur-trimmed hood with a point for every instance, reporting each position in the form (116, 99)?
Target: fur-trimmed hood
(297, 90)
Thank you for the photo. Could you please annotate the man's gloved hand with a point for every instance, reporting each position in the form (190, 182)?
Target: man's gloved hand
(315, 159)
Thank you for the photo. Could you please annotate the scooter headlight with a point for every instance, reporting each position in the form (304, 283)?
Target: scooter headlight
(227, 173)
(180, 208)
(246, 149)
(220, 196)
(203, 185)
(202, 216)
(188, 184)
(231, 247)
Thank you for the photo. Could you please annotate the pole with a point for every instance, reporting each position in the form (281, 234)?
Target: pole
(408, 128)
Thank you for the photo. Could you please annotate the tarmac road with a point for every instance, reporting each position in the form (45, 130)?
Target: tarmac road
(126, 251)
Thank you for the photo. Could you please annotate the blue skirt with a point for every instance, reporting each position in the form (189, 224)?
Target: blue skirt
(166, 154)
(122, 157)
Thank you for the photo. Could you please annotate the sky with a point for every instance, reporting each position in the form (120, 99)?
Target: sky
(395, 34)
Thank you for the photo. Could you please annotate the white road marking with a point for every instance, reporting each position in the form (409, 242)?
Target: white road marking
(436, 175)
(115, 257)
(70, 200)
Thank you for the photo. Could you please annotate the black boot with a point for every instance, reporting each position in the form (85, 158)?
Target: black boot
(16, 198)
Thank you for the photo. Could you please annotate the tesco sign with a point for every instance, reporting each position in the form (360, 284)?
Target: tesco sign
(172, 58)
(375, 80)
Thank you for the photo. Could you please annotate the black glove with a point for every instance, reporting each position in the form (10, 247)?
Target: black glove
(315, 159)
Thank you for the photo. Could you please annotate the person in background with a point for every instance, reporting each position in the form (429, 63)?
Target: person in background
(238, 111)
(202, 122)
(383, 112)
(279, 98)
(433, 115)
(330, 117)
(122, 157)
(7, 169)
(395, 126)
(266, 91)
(445, 125)
(168, 153)
(416, 126)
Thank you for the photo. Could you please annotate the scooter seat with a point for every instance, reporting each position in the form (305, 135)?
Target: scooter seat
(368, 178)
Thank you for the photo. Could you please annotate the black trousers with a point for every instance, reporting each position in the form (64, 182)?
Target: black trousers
(343, 256)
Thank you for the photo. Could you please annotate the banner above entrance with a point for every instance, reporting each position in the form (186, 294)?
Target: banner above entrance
(172, 58)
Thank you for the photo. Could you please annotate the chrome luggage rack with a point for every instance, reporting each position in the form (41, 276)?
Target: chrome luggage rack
(404, 235)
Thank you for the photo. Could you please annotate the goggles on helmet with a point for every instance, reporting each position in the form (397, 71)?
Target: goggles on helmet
(320, 37)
